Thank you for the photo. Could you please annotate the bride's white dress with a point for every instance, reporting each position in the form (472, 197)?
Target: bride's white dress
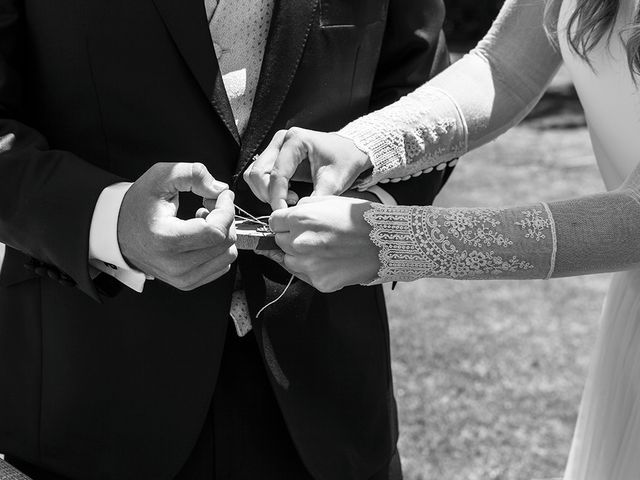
(474, 101)
(606, 442)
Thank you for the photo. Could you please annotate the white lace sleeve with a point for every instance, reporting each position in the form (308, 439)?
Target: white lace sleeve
(592, 234)
(417, 134)
(472, 102)
(463, 243)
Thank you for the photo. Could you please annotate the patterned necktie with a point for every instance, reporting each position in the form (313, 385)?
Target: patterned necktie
(239, 30)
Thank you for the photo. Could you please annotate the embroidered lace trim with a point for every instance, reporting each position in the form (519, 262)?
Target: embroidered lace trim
(473, 243)
(7, 472)
(421, 131)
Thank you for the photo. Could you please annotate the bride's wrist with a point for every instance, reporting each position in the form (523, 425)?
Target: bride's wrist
(361, 159)
(364, 162)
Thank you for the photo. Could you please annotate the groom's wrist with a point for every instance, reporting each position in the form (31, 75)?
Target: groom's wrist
(104, 250)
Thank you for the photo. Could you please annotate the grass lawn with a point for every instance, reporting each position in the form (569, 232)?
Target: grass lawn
(488, 375)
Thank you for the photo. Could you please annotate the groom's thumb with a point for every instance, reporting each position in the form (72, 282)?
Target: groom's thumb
(188, 177)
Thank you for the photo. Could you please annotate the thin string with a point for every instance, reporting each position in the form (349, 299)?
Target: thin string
(277, 299)
(261, 226)
(248, 216)
(261, 221)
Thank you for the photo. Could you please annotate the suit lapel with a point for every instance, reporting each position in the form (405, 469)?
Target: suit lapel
(187, 23)
(288, 35)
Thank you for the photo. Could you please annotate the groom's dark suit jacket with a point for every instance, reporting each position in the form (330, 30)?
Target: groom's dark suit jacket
(98, 386)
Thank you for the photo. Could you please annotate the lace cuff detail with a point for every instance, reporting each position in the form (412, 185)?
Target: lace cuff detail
(8, 472)
(463, 243)
(420, 132)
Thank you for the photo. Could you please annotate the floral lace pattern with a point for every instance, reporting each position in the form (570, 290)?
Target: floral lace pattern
(535, 223)
(419, 132)
(481, 243)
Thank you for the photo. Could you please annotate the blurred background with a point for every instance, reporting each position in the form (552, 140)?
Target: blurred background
(488, 375)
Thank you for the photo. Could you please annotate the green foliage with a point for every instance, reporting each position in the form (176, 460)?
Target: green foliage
(468, 20)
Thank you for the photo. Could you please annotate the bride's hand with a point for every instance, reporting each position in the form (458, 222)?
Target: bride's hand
(333, 163)
(326, 242)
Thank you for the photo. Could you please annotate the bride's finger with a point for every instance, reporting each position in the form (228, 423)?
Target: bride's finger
(293, 265)
(293, 152)
(315, 199)
(292, 198)
(258, 172)
(279, 221)
(284, 240)
(279, 257)
(274, 255)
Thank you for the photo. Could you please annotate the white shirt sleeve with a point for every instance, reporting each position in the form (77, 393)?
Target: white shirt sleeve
(104, 251)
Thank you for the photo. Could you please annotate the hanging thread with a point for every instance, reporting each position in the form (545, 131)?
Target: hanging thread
(247, 217)
(277, 299)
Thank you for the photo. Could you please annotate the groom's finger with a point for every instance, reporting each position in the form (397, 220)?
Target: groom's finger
(194, 234)
(211, 277)
(210, 270)
(197, 233)
(273, 255)
(224, 213)
(187, 177)
(202, 213)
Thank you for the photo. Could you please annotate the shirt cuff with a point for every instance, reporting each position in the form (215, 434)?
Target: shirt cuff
(104, 250)
(385, 197)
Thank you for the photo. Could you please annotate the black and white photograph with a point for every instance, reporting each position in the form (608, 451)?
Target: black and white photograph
(319, 240)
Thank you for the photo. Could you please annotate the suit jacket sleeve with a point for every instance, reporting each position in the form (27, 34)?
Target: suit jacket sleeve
(47, 196)
(413, 51)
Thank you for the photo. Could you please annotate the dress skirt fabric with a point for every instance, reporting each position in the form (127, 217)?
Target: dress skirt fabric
(606, 444)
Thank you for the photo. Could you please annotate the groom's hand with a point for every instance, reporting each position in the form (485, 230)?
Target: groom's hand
(331, 162)
(183, 253)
